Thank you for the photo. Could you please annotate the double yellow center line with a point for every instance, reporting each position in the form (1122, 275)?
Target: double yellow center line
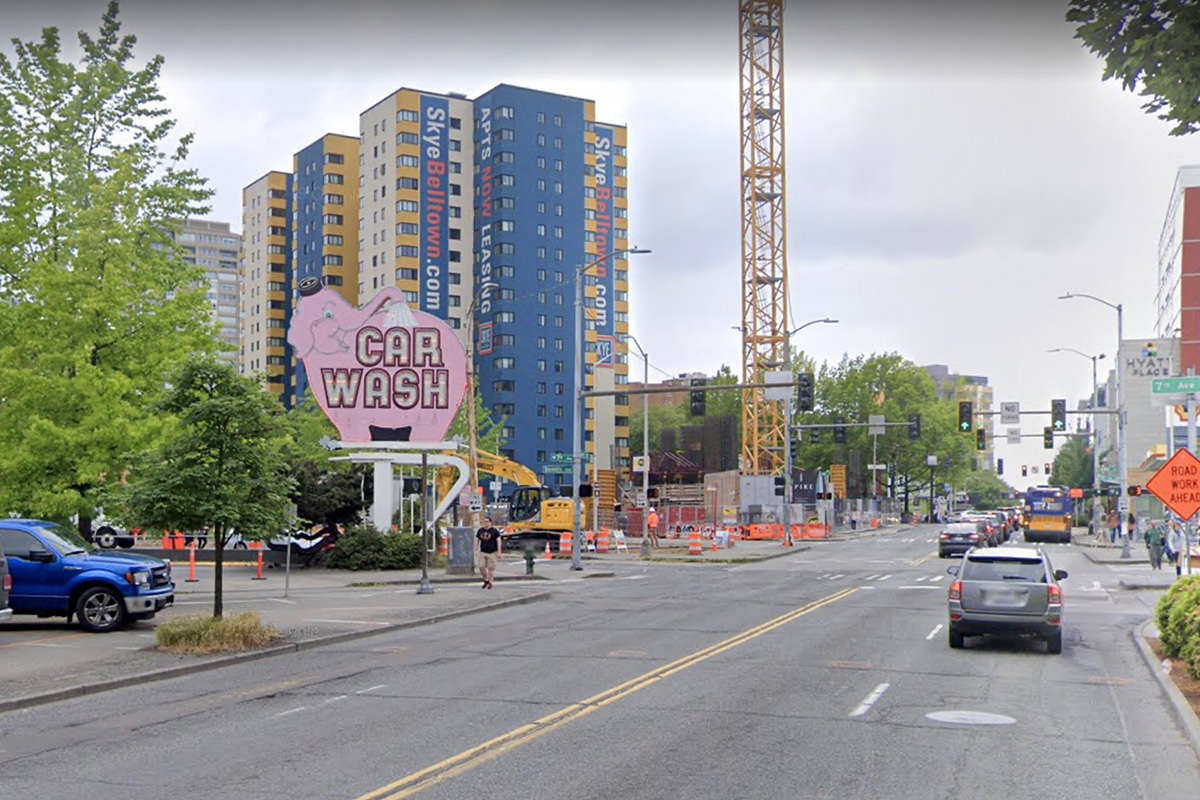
(481, 754)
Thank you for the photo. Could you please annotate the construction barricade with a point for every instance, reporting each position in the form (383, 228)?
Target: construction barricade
(694, 546)
(564, 543)
(602, 541)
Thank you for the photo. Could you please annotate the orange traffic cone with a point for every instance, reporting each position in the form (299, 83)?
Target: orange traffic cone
(444, 544)
(548, 556)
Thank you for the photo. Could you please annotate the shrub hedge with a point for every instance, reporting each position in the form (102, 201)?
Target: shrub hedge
(1177, 616)
(365, 548)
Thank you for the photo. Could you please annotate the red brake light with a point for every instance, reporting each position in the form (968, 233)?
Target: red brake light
(1055, 597)
(7, 582)
(956, 590)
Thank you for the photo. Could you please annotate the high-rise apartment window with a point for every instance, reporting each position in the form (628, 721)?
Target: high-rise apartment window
(541, 230)
(541, 297)
(541, 253)
(621, 275)
(505, 135)
(558, 209)
(506, 316)
(505, 180)
(407, 115)
(455, 189)
(558, 120)
(407, 161)
(558, 232)
(455, 145)
(558, 143)
(541, 342)
(558, 389)
(541, 273)
(407, 229)
(455, 278)
(504, 112)
(334, 199)
(502, 386)
(541, 184)
(541, 365)
(455, 168)
(505, 157)
(541, 140)
(406, 251)
(541, 434)
(333, 177)
(506, 203)
(276, 230)
(411, 297)
(620, 172)
(333, 219)
(558, 344)
(408, 183)
(506, 249)
(541, 387)
(559, 412)
(558, 187)
(331, 261)
(558, 322)
(541, 117)
(407, 138)
(406, 274)
(558, 256)
(541, 206)
(541, 162)
(506, 226)
(455, 234)
(541, 320)
(334, 158)
(558, 165)
(406, 206)
(619, 191)
(455, 123)
(455, 256)
(332, 239)
(331, 280)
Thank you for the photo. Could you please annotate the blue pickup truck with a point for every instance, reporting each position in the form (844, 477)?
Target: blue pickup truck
(55, 573)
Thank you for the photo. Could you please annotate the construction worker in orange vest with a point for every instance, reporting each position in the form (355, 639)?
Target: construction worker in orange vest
(652, 528)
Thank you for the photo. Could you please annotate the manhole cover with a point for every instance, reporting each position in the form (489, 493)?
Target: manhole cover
(969, 718)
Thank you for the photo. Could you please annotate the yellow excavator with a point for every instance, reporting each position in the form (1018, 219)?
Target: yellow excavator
(535, 513)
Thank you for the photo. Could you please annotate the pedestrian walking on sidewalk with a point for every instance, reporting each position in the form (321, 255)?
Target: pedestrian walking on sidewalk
(1154, 542)
(1177, 544)
(487, 539)
(1113, 521)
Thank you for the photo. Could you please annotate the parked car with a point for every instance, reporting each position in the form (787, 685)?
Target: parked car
(959, 537)
(5, 586)
(55, 574)
(1011, 590)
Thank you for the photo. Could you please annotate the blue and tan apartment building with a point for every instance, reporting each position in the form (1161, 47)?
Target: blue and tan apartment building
(482, 211)
(266, 281)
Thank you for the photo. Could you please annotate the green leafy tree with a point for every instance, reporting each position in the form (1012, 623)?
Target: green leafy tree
(1151, 46)
(222, 467)
(96, 304)
(1073, 464)
(985, 490)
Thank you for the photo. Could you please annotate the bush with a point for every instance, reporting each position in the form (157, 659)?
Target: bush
(1177, 615)
(204, 635)
(365, 548)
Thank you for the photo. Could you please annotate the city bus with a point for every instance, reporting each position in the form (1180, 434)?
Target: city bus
(1046, 514)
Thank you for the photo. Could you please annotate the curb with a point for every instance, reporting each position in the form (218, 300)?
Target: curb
(28, 701)
(1179, 704)
(750, 559)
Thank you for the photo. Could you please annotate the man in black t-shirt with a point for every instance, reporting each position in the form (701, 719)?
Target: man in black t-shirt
(488, 539)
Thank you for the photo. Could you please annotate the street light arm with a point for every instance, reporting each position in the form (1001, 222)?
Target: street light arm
(1073, 350)
(812, 322)
(636, 251)
(1070, 295)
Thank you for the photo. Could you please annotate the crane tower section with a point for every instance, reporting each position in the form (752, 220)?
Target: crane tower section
(764, 234)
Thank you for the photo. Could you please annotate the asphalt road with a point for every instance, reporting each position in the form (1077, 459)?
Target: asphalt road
(824, 674)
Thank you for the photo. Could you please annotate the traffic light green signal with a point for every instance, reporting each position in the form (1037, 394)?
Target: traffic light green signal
(981, 439)
(1058, 415)
(965, 422)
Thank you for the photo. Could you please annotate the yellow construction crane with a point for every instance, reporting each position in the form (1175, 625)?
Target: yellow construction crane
(764, 232)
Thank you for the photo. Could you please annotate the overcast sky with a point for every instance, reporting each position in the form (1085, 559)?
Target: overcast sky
(952, 166)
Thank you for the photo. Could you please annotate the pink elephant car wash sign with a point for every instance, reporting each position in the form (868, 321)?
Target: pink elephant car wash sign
(383, 372)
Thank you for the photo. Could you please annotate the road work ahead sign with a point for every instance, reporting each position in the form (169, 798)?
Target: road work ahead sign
(1177, 484)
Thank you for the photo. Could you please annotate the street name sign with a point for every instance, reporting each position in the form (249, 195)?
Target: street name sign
(558, 468)
(1010, 413)
(1179, 385)
(560, 456)
(1177, 484)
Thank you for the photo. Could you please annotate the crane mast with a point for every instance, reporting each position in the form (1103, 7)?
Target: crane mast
(764, 232)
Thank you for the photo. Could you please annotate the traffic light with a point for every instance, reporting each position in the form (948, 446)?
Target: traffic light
(804, 391)
(839, 430)
(1058, 415)
(965, 417)
(1048, 438)
(814, 435)
(585, 490)
(980, 439)
(1047, 469)
(780, 482)
(696, 397)
(1024, 471)
(794, 445)
(999, 466)
(914, 427)
(1134, 491)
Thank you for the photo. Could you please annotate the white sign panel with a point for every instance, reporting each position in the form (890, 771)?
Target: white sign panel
(782, 392)
(877, 423)
(1014, 435)
(1010, 413)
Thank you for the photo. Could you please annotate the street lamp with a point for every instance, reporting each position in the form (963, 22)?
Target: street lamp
(472, 459)
(787, 430)
(645, 549)
(577, 427)
(1122, 462)
(1095, 435)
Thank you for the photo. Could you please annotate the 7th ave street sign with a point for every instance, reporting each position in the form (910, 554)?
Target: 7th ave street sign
(1177, 484)
(1183, 385)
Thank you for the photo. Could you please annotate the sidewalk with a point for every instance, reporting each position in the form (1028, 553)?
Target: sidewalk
(44, 661)
(1099, 550)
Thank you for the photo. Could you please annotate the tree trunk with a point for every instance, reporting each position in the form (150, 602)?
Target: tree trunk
(219, 574)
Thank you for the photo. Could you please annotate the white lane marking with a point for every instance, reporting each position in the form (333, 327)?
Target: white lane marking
(869, 701)
(371, 688)
(885, 577)
(839, 575)
(936, 578)
(871, 577)
(127, 648)
(933, 632)
(335, 699)
(350, 621)
(281, 600)
(49, 644)
(918, 586)
(291, 711)
(922, 578)
(634, 577)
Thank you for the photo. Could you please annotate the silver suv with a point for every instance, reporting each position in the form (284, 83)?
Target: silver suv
(1006, 590)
